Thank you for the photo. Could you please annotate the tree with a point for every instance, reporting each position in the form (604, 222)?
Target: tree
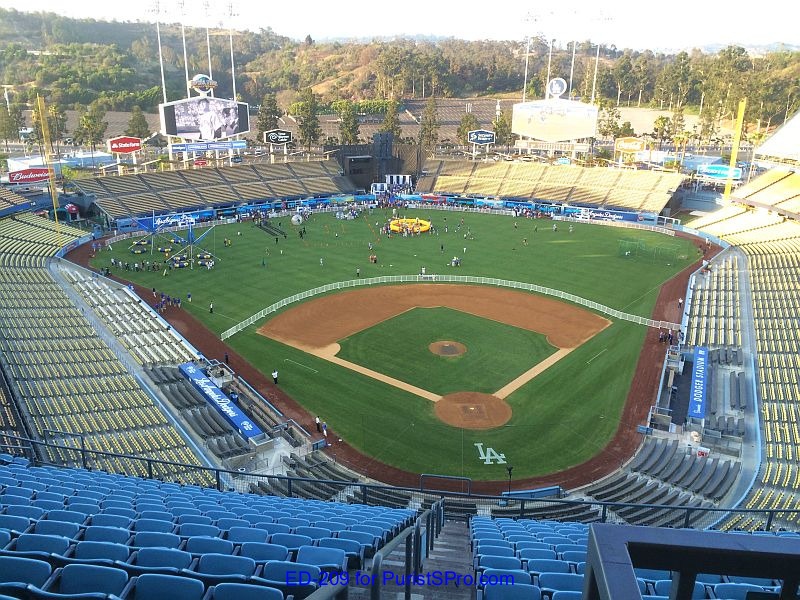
(348, 124)
(91, 126)
(662, 128)
(137, 125)
(429, 125)
(268, 115)
(308, 118)
(502, 130)
(469, 122)
(391, 120)
(608, 120)
(8, 129)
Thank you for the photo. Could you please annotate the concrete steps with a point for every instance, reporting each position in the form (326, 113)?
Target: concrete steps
(450, 556)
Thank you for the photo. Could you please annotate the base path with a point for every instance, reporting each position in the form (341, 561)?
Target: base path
(341, 315)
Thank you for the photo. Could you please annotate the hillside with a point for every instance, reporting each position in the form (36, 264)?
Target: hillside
(76, 62)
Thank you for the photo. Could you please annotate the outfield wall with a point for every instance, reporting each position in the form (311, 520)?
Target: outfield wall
(464, 279)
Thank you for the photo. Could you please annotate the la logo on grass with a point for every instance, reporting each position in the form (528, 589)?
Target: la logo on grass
(490, 456)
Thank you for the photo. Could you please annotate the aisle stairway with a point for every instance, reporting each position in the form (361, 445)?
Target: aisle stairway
(451, 553)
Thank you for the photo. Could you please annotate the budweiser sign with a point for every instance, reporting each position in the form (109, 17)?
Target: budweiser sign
(124, 144)
(35, 175)
(629, 144)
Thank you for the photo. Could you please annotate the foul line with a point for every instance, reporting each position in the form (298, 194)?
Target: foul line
(596, 355)
(300, 364)
(329, 353)
(518, 382)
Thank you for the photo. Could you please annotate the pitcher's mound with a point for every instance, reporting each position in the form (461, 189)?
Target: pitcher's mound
(473, 410)
(447, 348)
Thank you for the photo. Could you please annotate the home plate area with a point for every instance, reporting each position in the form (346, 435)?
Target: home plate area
(473, 410)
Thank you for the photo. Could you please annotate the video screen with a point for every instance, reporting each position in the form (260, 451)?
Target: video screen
(204, 118)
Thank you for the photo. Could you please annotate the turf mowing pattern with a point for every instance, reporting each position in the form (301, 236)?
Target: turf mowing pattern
(561, 418)
(496, 353)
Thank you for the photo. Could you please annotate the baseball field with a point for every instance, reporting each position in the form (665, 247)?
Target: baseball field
(438, 378)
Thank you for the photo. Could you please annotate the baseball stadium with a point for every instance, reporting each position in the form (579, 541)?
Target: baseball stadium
(489, 377)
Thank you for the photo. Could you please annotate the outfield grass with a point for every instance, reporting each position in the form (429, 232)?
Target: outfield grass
(496, 353)
(561, 418)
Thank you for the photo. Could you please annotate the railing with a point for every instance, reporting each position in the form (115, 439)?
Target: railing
(544, 508)
(463, 279)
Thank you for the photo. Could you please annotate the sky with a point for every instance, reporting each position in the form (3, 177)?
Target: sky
(637, 24)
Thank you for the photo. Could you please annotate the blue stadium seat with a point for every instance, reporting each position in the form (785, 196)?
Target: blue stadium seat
(484, 550)
(227, 523)
(180, 511)
(327, 559)
(652, 575)
(353, 550)
(5, 538)
(158, 515)
(243, 591)
(196, 529)
(574, 556)
(273, 527)
(17, 572)
(366, 540)
(284, 575)
(32, 545)
(21, 510)
(62, 528)
(22, 492)
(55, 497)
(490, 577)
(315, 533)
(294, 522)
(214, 569)
(10, 499)
(488, 561)
(206, 545)
(123, 512)
(263, 552)
(551, 582)
(515, 591)
(101, 553)
(527, 554)
(290, 540)
(155, 539)
(107, 520)
(157, 560)
(83, 579)
(152, 525)
(762, 581)
(532, 544)
(83, 507)
(332, 525)
(14, 524)
(239, 535)
(99, 533)
(380, 534)
(663, 586)
(193, 518)
(67, 515)
(735, 591)
(154, 586)
(537, 566)
(565, 595)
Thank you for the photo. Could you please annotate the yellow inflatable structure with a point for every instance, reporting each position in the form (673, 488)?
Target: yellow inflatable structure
(409, 225)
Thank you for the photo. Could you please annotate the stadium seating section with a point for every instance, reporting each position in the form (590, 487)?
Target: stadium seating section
(606, 188)
(172, 191)
(72, 531)
(771, 245)
(9, 199)
(43, 334)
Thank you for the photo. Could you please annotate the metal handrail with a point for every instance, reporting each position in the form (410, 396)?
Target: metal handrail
(223, 475)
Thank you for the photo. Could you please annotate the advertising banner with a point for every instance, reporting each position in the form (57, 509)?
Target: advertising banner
(32, 175)
(217, 398)
(124, 144)
(697, 395)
